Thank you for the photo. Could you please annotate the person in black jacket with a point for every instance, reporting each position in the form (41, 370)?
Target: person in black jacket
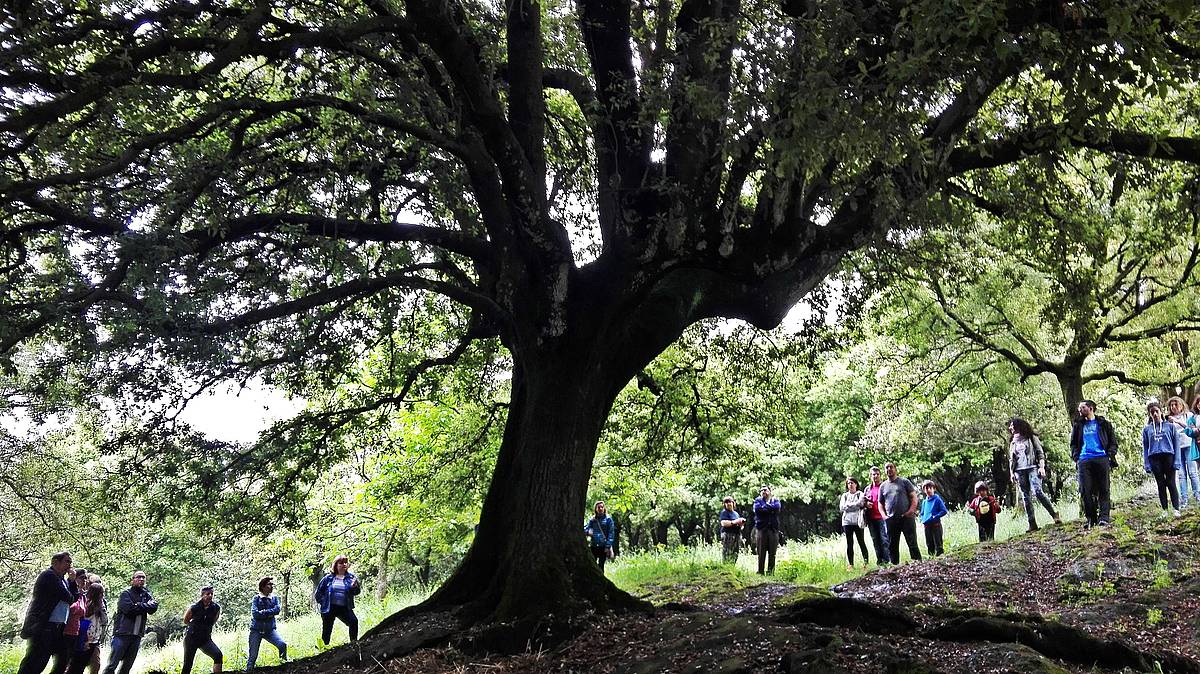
(53, 594)
(1094, 451)
(130, 625)
(200, 619)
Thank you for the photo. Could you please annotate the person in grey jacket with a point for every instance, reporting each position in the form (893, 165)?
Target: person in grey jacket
(1027, 468)
(129, 624)
(851, 506)
(263, 609)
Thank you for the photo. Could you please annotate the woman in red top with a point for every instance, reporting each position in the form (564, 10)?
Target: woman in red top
(873, 517)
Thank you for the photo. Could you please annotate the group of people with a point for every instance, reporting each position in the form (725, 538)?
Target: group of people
(1170, 451)
(68, 619)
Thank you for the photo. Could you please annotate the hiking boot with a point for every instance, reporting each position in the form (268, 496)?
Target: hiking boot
(1178, 514)
(1032, 528)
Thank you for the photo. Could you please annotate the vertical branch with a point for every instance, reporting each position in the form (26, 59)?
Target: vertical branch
(527, 107)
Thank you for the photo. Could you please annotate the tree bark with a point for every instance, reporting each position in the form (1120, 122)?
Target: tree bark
(381, 581)
(530, 557)
(1071, 384)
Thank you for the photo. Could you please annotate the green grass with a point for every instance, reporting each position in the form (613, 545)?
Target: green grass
(665, 574)
(302, 634)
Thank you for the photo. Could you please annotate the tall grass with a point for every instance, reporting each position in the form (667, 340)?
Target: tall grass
(818, 561)
(302, 634)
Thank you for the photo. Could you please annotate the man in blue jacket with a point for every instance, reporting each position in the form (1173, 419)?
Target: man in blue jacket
(766, 529)
(53, 594)
(1094, 451)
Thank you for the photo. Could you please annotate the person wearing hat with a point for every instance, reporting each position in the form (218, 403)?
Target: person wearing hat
(766, 529)
(200, 619)
(731, 530)
(984, 507)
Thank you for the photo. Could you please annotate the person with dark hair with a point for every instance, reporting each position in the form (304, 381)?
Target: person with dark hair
(873, 517)
(135, 604)
(851, 505)
(984, 507)
(898, 497)
(76, 623)
(96, 632)
(602, 533)
(1160, 455)
(1094, 451)
(200, 619)
(1027, 468)
(766, 529)
(54, 592)
(731, 530)
(335, 595)
(263, 609)
(933, 509)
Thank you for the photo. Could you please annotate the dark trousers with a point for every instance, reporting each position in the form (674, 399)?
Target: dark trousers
(1163, 467)
(193, 643)
(1093, 489)
(907, 526)
(731, 545)
(768, 543)
(1031, 487)
(81, 659)
(342, 613)
(600, 553)
(853, 531)
(43, 645)
(125, 649)
(933, 538)
(987, 530)
(879, 538)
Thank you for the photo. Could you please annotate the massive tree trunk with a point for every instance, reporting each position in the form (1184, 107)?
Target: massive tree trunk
(1071, 384)
(530, 557)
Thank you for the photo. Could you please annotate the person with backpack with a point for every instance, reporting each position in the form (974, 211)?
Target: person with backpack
(1160, 455)
(200, 619)
(984, 507)
(933, 509)
(851, 505)
(1027, 468)
(602, 533)
(335, 595)
(87, 655)
(263, 609)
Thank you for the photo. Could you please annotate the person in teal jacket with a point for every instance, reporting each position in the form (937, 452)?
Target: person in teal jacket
(933, 509)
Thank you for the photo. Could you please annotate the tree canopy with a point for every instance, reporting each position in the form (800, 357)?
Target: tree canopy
(198, 192)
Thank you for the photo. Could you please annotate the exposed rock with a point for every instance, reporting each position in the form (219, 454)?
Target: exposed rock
(850, 613)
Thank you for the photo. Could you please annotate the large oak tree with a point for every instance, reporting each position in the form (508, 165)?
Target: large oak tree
(231, 188)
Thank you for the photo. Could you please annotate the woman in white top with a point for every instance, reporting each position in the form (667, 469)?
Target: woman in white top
(851, 506)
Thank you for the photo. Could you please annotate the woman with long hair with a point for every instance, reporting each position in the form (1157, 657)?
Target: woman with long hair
(335, 595)
(96, 613)
(1188, 474)
(850, 504)
(1027, 468)
(1160, 454)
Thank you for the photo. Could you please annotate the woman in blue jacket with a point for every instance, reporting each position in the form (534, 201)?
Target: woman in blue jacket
(335, 595)
(263, 609)
(601, 533)
(1159, 456)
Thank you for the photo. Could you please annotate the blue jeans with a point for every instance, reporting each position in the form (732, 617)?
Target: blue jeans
(124, 650)
(272, 637)
(1188, 476)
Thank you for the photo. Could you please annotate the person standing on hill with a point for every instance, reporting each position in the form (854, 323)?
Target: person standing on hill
(1027, 468)
(264, 607)
(1160, 454)
(1094, 451)
(96, 615)
(601, 532)
(135, 604)
(53, 593)
(933, 509)
(335, 595)
(731, 530)
(898, 498)
(766, 529)
(1188, 475)
(200, 619)
(873, 517)
(984, 507)
(851, 505)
